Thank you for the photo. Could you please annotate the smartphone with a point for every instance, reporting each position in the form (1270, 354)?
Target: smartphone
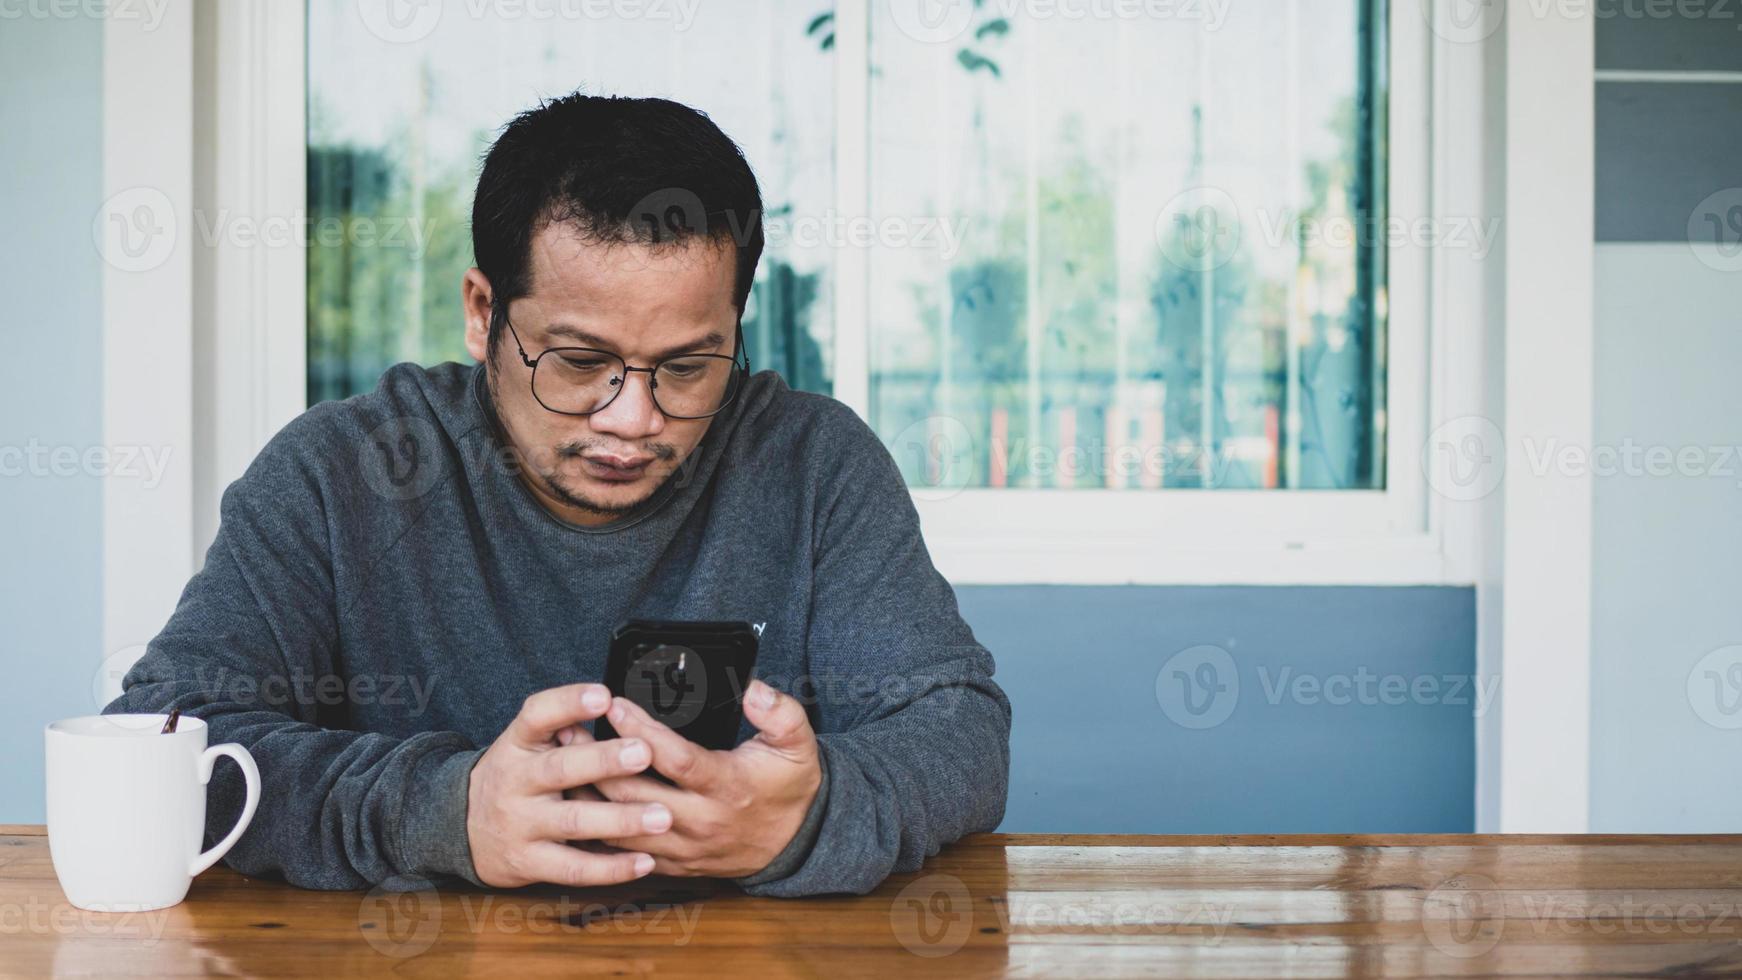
(690, 676)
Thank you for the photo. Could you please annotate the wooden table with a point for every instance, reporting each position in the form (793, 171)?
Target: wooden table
(992, 905)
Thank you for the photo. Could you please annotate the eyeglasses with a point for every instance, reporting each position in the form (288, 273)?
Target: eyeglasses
(583, 380)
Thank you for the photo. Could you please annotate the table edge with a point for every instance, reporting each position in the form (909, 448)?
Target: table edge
(1262, 840)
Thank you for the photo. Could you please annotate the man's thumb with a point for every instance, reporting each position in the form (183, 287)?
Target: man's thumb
(780, 719)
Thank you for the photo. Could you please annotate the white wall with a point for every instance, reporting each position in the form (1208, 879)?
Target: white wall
(1666, 724)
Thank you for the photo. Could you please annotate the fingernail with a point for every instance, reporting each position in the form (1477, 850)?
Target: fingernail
(595, 699)
(634, 755)
(655, 819)
(617, 711)
(643, 864)
(765, 696)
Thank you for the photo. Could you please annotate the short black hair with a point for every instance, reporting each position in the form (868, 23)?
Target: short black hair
(620, 169)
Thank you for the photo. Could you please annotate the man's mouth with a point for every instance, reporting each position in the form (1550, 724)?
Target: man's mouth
(616, 469)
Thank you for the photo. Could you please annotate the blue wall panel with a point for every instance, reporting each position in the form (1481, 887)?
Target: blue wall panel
(1097, 746)
(51, 398)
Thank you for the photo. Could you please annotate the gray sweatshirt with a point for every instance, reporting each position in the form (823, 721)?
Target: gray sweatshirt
(384, 592)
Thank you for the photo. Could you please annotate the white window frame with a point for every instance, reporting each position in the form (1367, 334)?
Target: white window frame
(1399, 535)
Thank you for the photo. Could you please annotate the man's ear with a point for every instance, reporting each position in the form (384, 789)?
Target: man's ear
(475, 299)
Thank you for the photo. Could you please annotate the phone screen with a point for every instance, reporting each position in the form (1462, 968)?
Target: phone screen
(689, 676)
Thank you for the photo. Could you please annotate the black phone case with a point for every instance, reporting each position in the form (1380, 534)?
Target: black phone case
(690, 676)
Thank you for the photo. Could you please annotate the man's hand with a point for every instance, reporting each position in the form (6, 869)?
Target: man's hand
(733, 812)
(517, 819)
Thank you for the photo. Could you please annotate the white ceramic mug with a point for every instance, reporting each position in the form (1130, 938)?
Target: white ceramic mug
(127, 808)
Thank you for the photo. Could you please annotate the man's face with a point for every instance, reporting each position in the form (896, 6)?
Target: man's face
(631, 300)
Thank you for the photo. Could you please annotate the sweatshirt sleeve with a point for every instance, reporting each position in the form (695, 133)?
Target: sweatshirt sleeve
(914, 733)
(254, 633)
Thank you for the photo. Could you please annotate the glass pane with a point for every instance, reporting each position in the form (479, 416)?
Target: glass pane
(402, 109)
(1161, 272)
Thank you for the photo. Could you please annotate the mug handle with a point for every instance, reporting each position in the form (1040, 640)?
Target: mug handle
(250, 775)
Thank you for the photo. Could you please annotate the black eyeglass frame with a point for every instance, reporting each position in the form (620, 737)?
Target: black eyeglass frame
(733, 386)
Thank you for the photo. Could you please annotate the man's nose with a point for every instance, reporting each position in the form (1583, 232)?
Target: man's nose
(632, 414)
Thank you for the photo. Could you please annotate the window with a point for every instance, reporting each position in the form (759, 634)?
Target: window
(1077, 264)
(1140, 279)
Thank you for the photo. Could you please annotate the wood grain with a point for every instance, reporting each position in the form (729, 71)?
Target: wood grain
(994, 905)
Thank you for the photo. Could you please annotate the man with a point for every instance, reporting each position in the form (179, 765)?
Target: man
(411, 590)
